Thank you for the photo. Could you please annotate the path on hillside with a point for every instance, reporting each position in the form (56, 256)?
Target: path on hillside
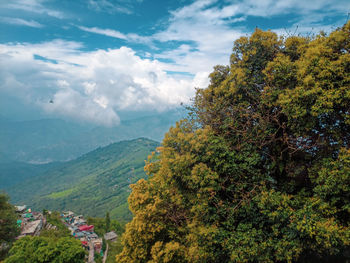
(91, 253)
(105, 254)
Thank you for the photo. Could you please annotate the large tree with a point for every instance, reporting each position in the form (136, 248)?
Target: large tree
(46, 249)
(8, 224)
(262, 171)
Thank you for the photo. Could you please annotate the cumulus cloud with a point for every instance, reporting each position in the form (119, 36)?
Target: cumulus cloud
(95, 85)
(92, 86)
(70, 102)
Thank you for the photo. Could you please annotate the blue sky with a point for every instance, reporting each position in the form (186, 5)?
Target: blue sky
(97, 59)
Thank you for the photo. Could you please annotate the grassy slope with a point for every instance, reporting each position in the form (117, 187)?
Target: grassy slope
(92, 184)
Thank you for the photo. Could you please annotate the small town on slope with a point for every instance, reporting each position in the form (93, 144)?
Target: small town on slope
(32, 223)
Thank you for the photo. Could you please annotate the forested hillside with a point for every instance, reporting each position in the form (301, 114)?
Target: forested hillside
(12, 172)
(261, 172)
(92, 184)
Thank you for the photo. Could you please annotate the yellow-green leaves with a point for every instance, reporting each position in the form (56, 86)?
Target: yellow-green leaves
(262, 172)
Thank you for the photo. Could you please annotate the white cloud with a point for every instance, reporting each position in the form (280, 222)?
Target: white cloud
(116, 34)
(109, 6)
(209, 32)
(33, 6)
(70, 102)
(20, 22)
(95, 85)
(204, 32)
(106, 32)
(268, 8)
(112, 6)
(205, 28)
(91, 86)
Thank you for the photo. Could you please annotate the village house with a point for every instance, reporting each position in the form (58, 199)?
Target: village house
(97, 243)
(111, 236)
(73, 229)
(20, 208)
(91, 236)
(79, 235)
(86, 228)
(79, 221)
(30, 223)
(85, 233)
(32, 228)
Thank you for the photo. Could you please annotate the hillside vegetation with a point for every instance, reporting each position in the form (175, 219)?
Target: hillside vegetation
(92, 184)
(262, 171)
(12, 172)
(8, 225)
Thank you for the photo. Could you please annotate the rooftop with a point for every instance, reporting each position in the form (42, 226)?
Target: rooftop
(110, 235)
(31, 227)
(20, 208)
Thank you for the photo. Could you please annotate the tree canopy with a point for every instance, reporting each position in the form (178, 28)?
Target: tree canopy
(46, 249)
(8, 224)
(261, 172)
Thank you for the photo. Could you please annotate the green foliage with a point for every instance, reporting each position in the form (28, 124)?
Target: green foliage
(262, 172)
(98, 258)
(100, 229)
(8, 225)
(92, 184)
(104, 244)
(107, 222)
(114, 248)
(13, 173)
(44, 249)
(55, 219)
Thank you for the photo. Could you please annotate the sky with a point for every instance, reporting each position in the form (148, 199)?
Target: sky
(97, 60)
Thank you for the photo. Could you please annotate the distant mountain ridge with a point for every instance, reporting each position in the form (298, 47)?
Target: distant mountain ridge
(92, 184)
(52, 140)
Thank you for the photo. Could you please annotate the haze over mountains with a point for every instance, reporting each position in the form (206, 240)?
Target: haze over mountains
(51, 140)
(57, 165)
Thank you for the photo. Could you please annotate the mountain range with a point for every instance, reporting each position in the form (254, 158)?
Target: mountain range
(52, 140)
(92, 184)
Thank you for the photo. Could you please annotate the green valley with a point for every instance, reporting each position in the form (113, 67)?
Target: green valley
(91, 184)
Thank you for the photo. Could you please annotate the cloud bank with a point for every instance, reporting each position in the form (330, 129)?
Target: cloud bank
(179, 54)
(91, 86)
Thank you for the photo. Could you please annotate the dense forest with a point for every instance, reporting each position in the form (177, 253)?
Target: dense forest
(260, 172)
